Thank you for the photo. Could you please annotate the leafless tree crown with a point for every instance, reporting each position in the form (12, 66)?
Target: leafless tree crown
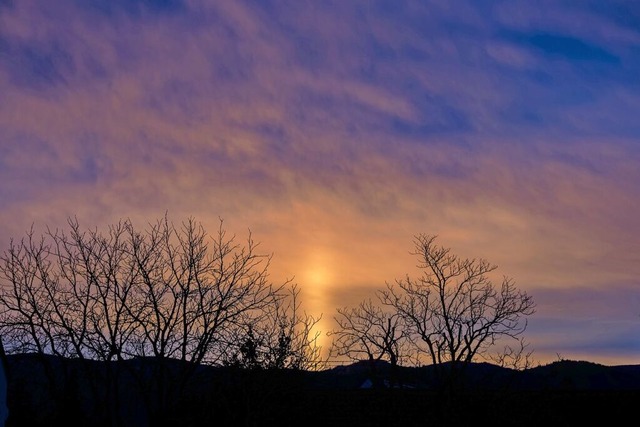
(168, 291)
(453, 311)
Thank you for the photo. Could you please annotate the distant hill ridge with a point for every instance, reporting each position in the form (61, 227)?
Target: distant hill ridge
(356, 394)
(562, 375)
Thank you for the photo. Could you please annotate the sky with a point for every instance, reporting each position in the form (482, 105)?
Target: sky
(336, 131)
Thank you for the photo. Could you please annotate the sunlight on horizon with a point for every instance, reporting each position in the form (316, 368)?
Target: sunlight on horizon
(317, 280)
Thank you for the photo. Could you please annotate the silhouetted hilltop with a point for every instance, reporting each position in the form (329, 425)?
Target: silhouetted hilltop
(581, 375)
(560, 375)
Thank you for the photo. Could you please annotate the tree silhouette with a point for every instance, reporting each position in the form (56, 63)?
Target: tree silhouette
(282, 338)
(369, 332)
(449, 316)
(453, 311)
(168, 292)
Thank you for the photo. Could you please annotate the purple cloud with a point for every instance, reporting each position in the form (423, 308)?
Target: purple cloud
(336, 131)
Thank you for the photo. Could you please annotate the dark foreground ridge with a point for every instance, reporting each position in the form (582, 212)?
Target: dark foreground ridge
(47, 390)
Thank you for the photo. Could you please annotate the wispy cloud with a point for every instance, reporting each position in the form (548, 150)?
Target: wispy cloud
(335, 131)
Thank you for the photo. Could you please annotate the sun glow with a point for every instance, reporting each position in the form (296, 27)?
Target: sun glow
(317, 280)
(318, 277)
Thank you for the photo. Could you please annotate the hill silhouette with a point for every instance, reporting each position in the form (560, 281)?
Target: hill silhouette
(46, 390)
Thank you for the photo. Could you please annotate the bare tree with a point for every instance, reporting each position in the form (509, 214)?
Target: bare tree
(193, 291)
(96, 277)
(272, 351)
(373, 333)
(369, 332)
(517, 357)
(284, 337)
(291, 335)
(171, 292)
(25, 298)
(454, 312)
(39, 311)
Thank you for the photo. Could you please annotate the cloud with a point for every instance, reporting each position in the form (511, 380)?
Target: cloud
(335, 132)
(601, 322)
(565, 47)
(133, 7)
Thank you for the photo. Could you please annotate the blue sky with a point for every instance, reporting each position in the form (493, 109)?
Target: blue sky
(336, 131)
